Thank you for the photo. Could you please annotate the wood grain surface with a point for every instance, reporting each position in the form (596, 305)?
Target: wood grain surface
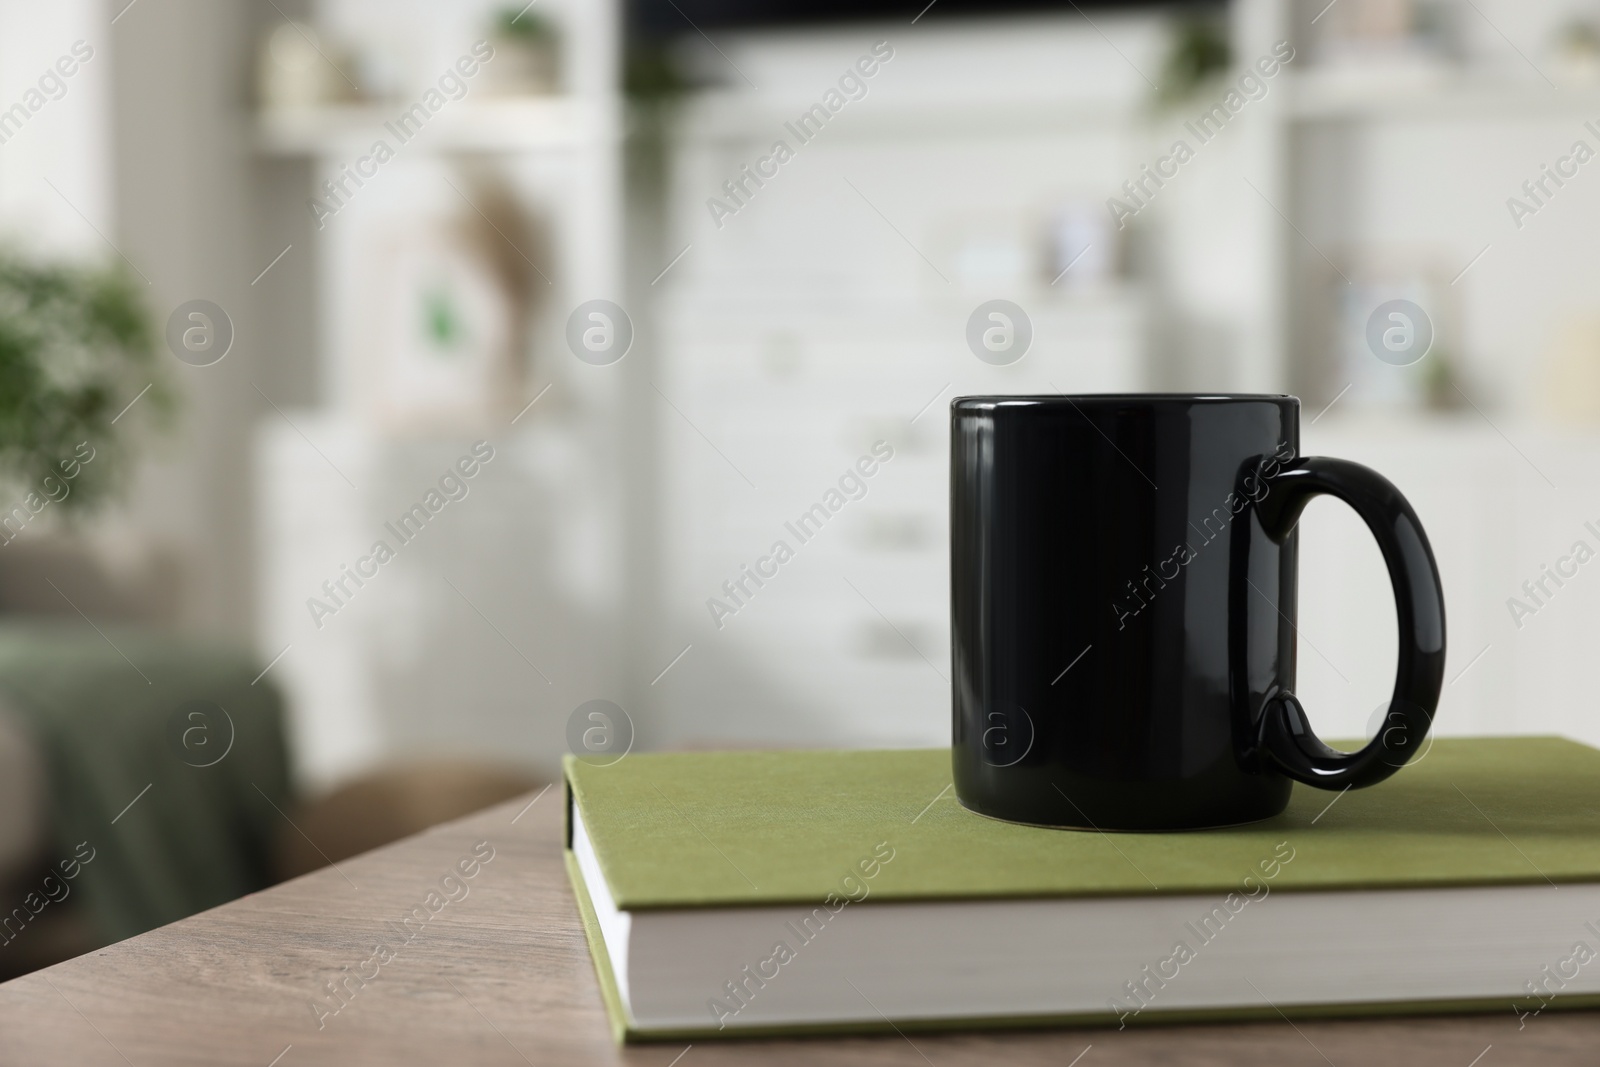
(502, 976)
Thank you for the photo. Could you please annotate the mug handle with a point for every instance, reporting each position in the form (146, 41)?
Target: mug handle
(1286, 740)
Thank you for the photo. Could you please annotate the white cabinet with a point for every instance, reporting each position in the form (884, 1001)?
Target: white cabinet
(479, 636)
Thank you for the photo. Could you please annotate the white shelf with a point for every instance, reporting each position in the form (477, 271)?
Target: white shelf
(543, 525)
(722, 115)
(1320, 97)
(519, 124)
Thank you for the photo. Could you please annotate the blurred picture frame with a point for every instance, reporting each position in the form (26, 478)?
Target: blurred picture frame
(1351, 310)
(444, 318)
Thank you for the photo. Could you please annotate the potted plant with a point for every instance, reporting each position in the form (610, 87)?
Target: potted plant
(527, 59)
(77, 371)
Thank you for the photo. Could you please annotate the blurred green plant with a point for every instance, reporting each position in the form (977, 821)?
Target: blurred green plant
(1199, 51)
(76, 348)
(652, 73)
(520, 24)
(1441, 382)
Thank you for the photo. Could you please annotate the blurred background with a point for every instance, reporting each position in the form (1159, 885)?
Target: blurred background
(530, 297)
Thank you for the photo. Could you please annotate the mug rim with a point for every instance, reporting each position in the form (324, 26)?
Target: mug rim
(979, 402)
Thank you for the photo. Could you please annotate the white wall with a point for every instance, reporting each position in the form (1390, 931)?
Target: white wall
(68, 141)
(184, 194)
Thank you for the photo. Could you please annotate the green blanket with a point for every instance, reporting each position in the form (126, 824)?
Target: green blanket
(127, 716)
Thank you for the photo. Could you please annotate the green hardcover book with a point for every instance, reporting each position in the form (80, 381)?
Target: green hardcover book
(731, 894)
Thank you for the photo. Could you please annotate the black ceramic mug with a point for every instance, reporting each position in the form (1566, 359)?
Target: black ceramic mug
(1122, 579)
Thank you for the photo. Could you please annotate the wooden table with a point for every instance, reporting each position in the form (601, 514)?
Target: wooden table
(502, 976)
